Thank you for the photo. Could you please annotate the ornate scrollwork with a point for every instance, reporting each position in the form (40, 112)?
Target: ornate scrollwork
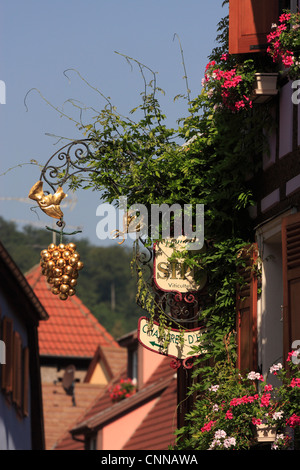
(144, 260)
(181, 311)
(71, 159)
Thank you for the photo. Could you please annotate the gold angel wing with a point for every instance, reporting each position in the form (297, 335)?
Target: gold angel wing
(49, 203)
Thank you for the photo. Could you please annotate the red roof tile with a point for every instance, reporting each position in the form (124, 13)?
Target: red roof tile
(71, 329)
(59, 412)
(155, 432)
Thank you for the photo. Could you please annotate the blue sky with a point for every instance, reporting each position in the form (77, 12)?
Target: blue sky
(40, 39)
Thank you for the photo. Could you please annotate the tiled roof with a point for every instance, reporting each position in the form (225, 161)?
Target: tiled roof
(59, 412)
(13, 278)
(71, 330)
(156, 431)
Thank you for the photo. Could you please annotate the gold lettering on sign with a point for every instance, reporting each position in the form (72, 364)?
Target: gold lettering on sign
(174, 274)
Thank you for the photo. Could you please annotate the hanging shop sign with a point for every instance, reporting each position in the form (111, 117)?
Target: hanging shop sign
(174, 275)
(171, 342)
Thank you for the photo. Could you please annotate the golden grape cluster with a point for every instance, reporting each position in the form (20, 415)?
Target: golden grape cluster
(60, 264)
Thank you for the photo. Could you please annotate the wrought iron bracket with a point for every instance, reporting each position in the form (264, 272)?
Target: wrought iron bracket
(71, 160)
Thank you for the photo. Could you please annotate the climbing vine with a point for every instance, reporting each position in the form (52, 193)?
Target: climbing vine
(208, 158)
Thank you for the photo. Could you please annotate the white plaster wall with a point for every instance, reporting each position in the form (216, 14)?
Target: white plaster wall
(270, 327)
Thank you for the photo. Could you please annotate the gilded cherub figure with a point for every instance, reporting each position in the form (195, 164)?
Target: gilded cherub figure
(49, 203)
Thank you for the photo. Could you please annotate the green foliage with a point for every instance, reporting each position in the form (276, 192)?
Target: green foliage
(207, 159)
(284, 42)
(229, 405)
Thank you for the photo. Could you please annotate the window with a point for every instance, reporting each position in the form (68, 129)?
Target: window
(7, 368)
(92, 443)
(15, 371)
(133, 363)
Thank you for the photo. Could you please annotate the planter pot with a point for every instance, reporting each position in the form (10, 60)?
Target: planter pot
(265, 87)
(265, 433)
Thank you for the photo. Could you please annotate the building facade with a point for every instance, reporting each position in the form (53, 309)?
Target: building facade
(268, 318)
(21, 411)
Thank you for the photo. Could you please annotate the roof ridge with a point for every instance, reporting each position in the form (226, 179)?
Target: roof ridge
(133, 400)
(83, 334)
(91, 318)
(32, 270)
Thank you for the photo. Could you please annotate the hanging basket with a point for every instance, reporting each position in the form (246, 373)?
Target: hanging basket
(265, 433)
(265, 87)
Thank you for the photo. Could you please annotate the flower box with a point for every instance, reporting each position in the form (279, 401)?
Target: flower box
(265, 87)
(265, 433)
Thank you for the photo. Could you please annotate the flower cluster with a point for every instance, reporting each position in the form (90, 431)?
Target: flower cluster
(233, 405)
(221, 441)
(284, 42)
(229, 86)
(124, 389)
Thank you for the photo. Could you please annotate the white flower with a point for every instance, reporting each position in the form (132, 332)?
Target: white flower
(275, 367)
(213, 388)
(275, 445)
(229, 442)
(215, 443)
(215, 407)
(277, 415)
(253, 375)
(219, 434)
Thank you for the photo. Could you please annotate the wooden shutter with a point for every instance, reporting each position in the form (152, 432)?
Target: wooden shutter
(2, 346)
(17, 370)
(291, 280)
(249, 23)
(246, 306)
(25, 400)
(7, 368)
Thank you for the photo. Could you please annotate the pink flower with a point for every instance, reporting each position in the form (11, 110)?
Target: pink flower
(208, 426)
(225, 56)
(293, 421)
(210, 64)
(284, 17)
(265, 400)
(295, 383)
(228, 414)
(256, 421)
(291, 354)
(288, 60)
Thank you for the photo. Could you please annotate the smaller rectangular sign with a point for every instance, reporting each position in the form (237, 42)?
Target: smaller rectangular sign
(150, 338)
